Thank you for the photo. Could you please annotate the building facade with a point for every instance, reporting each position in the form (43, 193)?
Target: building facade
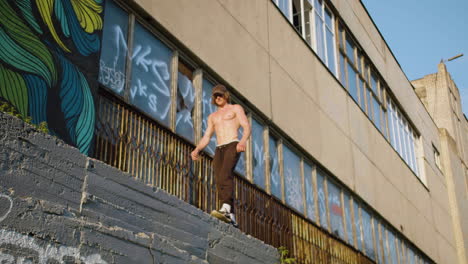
(340, 166)
(441, 97)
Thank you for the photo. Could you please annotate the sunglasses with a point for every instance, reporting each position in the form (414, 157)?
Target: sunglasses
(215, 95)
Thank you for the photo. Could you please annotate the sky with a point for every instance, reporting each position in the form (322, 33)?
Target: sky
(422, 32)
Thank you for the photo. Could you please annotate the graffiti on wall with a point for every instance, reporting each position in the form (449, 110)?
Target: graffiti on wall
(19, 248)
(42, 43)
(5, 210)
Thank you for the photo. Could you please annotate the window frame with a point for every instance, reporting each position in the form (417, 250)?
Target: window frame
(278, 136)
(322, 16)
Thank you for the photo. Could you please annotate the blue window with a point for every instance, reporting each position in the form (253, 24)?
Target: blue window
(352, 83)
(378, 241)
(350, 49)
(258, 154)
(113, 57)
(392, 247)
(322, 202)
(336, 209)
(348, 218)
(207, 109)
(320, 41)
(330, 39)
(284, 6)
(362, 101)
(367, 234)
(240, 167)
(292, 179)
(357, 225)
(411, 256)
(275, 179)
(310, 198)
(342, 71)
(376, 111)
(185, 103)
(150, 86)
(374, 82)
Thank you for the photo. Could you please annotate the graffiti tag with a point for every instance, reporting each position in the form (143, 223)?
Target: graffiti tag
(150, 82)
(10, 201)
(111, 73)
(25, 249)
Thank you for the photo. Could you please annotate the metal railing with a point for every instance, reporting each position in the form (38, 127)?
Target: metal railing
(134, 143)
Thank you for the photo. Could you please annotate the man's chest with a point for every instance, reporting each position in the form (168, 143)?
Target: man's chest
(222, 117)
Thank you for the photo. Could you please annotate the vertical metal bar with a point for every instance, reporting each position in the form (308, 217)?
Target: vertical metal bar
(168, 176)
(139, 151)
(130, 141)
(158, 157)
(134, 143)
(266, 143)
(106, 129)
(314, 187)
(128, 63)
(198, 109)
(99, 152)
(304, 200)
(355, 228)
(164, 171)
(151, 153)
(112, 156)
(174, 76)
(281, 168)
(125, 139)
(146, 149)
(343, 220)
(175, 176)
(137, 173)
(115, 133)
(302, 20)
(249, 154)
(111, 137)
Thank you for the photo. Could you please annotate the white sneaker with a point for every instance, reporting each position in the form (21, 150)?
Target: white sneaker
(233, 222)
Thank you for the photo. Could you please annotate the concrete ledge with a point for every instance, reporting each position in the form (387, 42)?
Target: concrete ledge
(57, 205)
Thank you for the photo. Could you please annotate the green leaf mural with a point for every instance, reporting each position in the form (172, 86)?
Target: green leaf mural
(46, 9)
(26, 10)
(61, 17)
(36, 77)
(23, 50)
(77, 104)
(37, 96)
(13, 88)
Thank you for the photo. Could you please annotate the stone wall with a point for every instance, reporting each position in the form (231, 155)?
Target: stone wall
(59, 206)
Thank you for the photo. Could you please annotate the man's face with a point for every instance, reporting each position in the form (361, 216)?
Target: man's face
(219, 99)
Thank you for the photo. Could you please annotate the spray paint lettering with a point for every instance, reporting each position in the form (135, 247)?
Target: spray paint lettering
(150, 85)
(112, 75)
(29, 250)
(185, 104)
(150, 78)
(10, 205)
(208, 108)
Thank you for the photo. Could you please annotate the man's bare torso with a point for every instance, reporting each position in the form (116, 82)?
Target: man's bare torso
(226, 124)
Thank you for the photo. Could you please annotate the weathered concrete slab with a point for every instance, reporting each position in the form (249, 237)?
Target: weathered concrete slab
(59, 206)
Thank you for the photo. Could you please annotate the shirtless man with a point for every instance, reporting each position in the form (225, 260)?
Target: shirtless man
(225, 122)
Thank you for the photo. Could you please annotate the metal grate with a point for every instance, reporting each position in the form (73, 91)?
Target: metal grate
(133, 143)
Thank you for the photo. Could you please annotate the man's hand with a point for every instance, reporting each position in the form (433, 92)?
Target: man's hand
(240, 147)
(194, 154)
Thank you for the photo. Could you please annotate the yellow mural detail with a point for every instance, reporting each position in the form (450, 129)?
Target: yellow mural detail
(87, 12)
(45, 8)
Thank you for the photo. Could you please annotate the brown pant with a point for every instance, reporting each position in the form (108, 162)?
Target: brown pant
(224, 162)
